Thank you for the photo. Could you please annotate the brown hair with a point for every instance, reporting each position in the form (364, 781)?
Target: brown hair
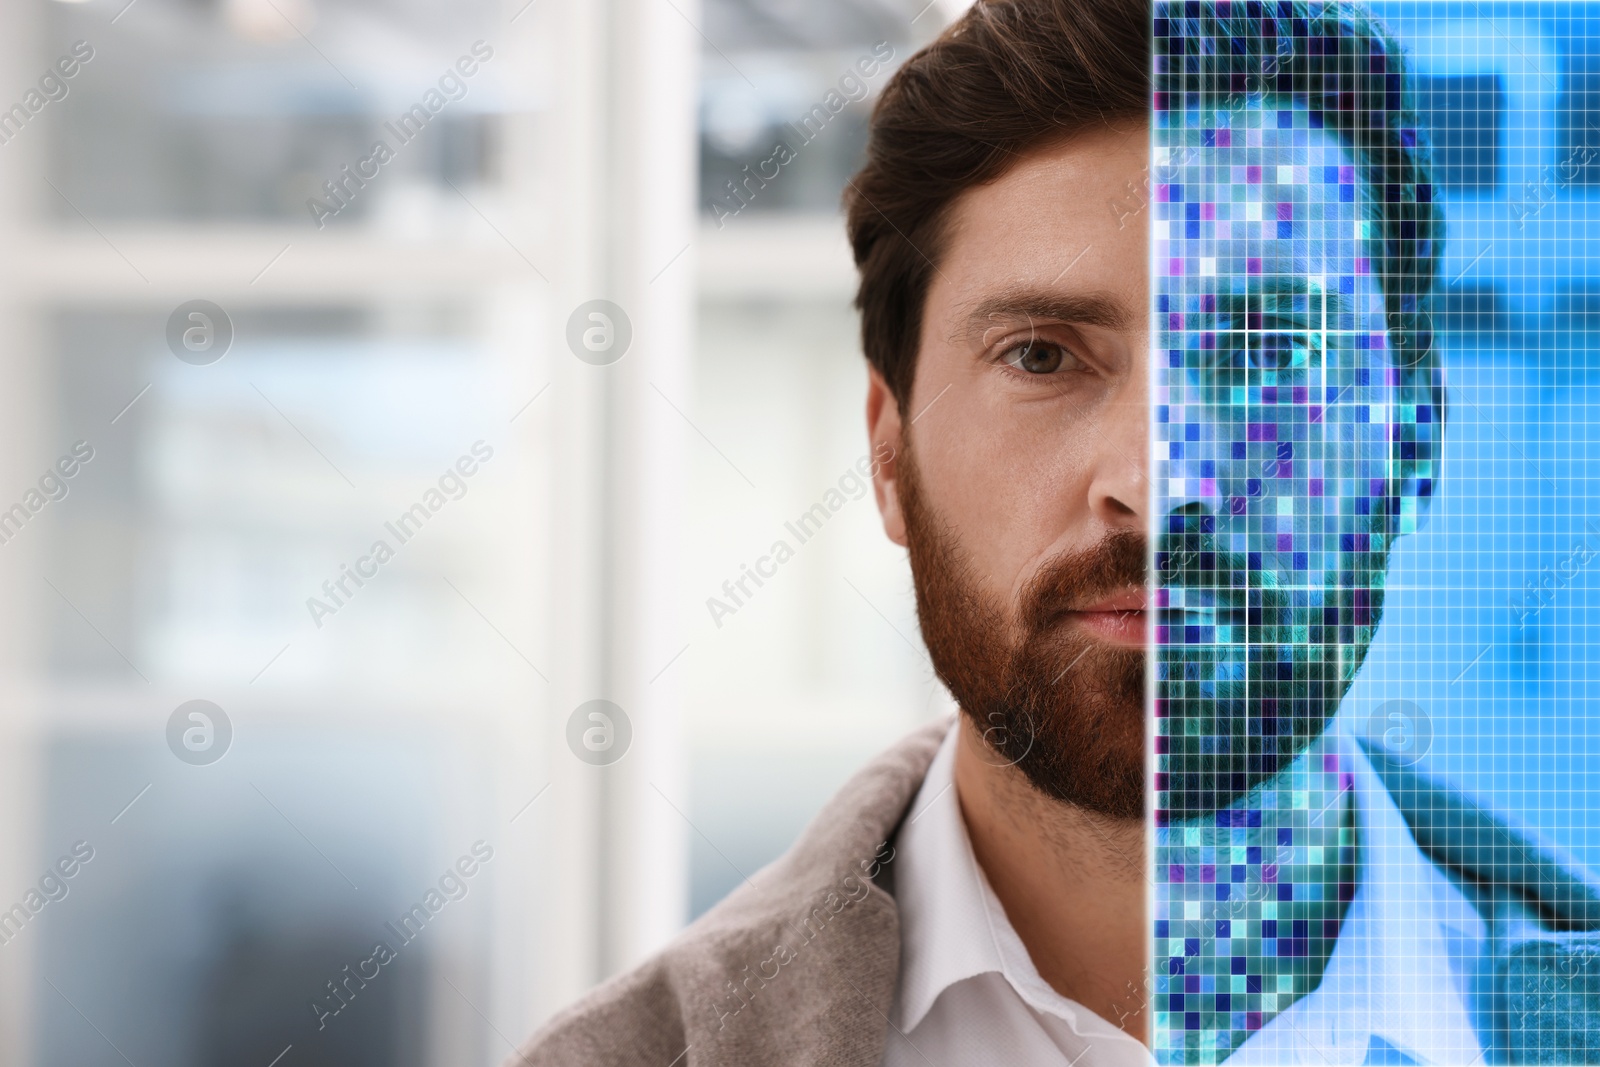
(1008, 77)
(1013, 76)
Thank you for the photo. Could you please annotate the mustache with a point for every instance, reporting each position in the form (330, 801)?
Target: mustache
(1216, 587)
(1187, 556)
(1121, 559)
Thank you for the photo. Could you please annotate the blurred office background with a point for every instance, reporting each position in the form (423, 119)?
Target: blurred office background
(374, 746)
(1490, 631)
(588, 158)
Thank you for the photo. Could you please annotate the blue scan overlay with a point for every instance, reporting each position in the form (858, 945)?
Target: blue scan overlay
(1373, 234)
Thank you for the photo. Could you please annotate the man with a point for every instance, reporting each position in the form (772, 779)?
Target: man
(983, 892)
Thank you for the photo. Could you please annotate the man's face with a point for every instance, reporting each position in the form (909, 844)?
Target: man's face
(1021, 483)
(1273, 398)
(1023, 486)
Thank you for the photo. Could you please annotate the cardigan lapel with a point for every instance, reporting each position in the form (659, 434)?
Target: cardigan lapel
(796, 967)
(799, 966)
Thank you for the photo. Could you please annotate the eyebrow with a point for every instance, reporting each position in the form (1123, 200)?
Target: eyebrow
(1026, 302)
(1250, 300)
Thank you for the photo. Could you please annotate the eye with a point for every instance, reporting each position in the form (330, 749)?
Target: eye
(1279, 350)
(1272, 350)
(1039, 357)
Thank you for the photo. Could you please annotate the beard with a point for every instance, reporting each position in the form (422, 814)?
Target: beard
(1069, 711)
(1235, 713)
(1066, 709)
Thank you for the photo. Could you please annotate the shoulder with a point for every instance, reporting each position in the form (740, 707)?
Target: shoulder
(633, 1018)
(1540, 998)
(797, 965)
(1495, 861)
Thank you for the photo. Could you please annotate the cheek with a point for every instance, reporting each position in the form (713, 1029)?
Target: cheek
(1286, 477)
(1008, 487)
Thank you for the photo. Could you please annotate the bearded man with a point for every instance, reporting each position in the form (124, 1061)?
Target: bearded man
(1143, 297)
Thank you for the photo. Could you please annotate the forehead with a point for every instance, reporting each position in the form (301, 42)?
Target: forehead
(1257, 193)
(1056, 193)
(1067, 218)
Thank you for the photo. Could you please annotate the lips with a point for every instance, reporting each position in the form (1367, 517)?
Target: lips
(1189, 617)
(1119, 618)
(1123, 601)
(1181, 605)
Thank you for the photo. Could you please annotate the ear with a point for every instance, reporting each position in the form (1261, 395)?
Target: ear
(1418, 448)
(1417, 415)
(885, 436)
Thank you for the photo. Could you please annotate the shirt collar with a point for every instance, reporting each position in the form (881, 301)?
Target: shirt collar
(952, 925)
(1399, 971)
(1401, 968)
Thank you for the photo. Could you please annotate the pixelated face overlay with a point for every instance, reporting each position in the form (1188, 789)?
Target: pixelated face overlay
(1274, 393)
(1285, 427)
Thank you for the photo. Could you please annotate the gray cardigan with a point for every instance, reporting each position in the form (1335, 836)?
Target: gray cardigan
(798, 966)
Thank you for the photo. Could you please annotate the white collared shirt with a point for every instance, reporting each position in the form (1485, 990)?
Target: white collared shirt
(1396, 987)
(1394, 990)
(968, 991)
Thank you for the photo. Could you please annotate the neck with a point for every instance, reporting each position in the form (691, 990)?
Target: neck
(1074, 885)
(1297, 830)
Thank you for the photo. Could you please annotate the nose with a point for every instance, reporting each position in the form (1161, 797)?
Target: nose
(1120, 487)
